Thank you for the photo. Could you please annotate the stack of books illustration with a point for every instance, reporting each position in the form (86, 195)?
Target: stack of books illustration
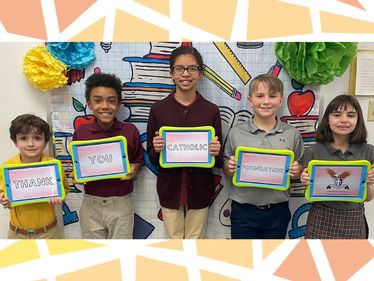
(230, 118)
(150, 81)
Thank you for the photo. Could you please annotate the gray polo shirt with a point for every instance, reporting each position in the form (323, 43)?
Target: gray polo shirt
(282, 136)
(321, 151)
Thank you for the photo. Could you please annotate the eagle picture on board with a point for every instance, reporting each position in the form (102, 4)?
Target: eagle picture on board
(338, 179)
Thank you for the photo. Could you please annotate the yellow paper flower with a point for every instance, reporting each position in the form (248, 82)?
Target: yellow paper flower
(42, 70)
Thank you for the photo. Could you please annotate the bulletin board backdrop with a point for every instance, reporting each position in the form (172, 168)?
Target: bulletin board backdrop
(144, 71)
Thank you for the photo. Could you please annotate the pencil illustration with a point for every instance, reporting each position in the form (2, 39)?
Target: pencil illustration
(233, 61)
(222, 84)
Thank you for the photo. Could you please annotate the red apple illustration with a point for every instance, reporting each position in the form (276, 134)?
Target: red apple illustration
(300, 103)
(82, 119)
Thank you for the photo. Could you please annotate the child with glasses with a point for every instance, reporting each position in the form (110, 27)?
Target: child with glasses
(184, 193)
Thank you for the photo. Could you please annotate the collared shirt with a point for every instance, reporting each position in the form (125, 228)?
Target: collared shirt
(325, 151)
(112, 187)
(199, 181)
(282, 136)
(36, 215)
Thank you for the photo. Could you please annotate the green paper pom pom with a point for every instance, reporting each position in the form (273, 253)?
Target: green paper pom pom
(315, 63)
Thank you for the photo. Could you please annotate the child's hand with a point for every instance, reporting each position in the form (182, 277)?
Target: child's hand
(4, 201)
(305, 179)
(55, 201)
(230, 166)
(215, 146)
(71, 175)
(134, 170)
(295, 170)
(158, 143)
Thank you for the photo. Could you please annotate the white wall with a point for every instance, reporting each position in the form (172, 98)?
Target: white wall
(17, 97)
(369, 207)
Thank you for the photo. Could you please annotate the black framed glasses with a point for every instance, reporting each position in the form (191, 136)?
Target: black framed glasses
(191, 69)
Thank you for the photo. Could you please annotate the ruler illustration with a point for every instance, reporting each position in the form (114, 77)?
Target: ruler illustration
(233, 61)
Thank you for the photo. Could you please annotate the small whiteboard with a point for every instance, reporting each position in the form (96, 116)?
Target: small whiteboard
(262, 168)
(187, 147)
(100, 159)
(337, 180)
(33, 182)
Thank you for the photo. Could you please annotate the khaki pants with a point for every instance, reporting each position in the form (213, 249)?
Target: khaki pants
(53, 233)
(107, 217)
(185, 223)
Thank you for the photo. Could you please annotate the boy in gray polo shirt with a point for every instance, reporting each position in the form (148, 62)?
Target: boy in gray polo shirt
(260, 213)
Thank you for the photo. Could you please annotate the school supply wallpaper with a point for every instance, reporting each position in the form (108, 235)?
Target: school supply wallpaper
(144, 71)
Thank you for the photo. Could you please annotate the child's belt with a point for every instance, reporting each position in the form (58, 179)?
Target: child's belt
(33, 232)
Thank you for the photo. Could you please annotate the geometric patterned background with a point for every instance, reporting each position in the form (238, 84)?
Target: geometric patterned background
(177, 20)
(205, 260)
(196, 20)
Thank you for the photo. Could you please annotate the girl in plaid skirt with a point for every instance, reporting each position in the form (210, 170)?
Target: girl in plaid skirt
(341, 135)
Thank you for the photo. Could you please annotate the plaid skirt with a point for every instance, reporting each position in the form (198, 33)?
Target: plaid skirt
(327, 223)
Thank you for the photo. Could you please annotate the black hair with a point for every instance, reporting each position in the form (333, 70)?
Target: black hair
(103, 80)
(186, 50)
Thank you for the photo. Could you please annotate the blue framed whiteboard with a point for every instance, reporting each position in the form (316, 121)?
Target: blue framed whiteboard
(99, 159)
(33, 182)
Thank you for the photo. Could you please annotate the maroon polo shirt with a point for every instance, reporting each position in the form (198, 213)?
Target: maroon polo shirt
(112, 187)
(199, 182)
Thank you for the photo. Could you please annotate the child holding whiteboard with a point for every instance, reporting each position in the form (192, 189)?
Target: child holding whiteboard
(107, 211)
(30, 134)
(341, 135)
(260, 213)
(185, 193)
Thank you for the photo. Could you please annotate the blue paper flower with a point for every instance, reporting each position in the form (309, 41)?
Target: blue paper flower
(76, 55)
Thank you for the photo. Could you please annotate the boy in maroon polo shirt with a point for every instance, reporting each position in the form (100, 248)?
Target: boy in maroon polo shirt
(107, 210)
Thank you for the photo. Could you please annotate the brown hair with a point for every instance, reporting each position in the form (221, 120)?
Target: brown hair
(274, 83)
(359, 134)
(25, 123)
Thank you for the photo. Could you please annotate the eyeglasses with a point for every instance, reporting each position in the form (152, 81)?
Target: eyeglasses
(179, 69)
